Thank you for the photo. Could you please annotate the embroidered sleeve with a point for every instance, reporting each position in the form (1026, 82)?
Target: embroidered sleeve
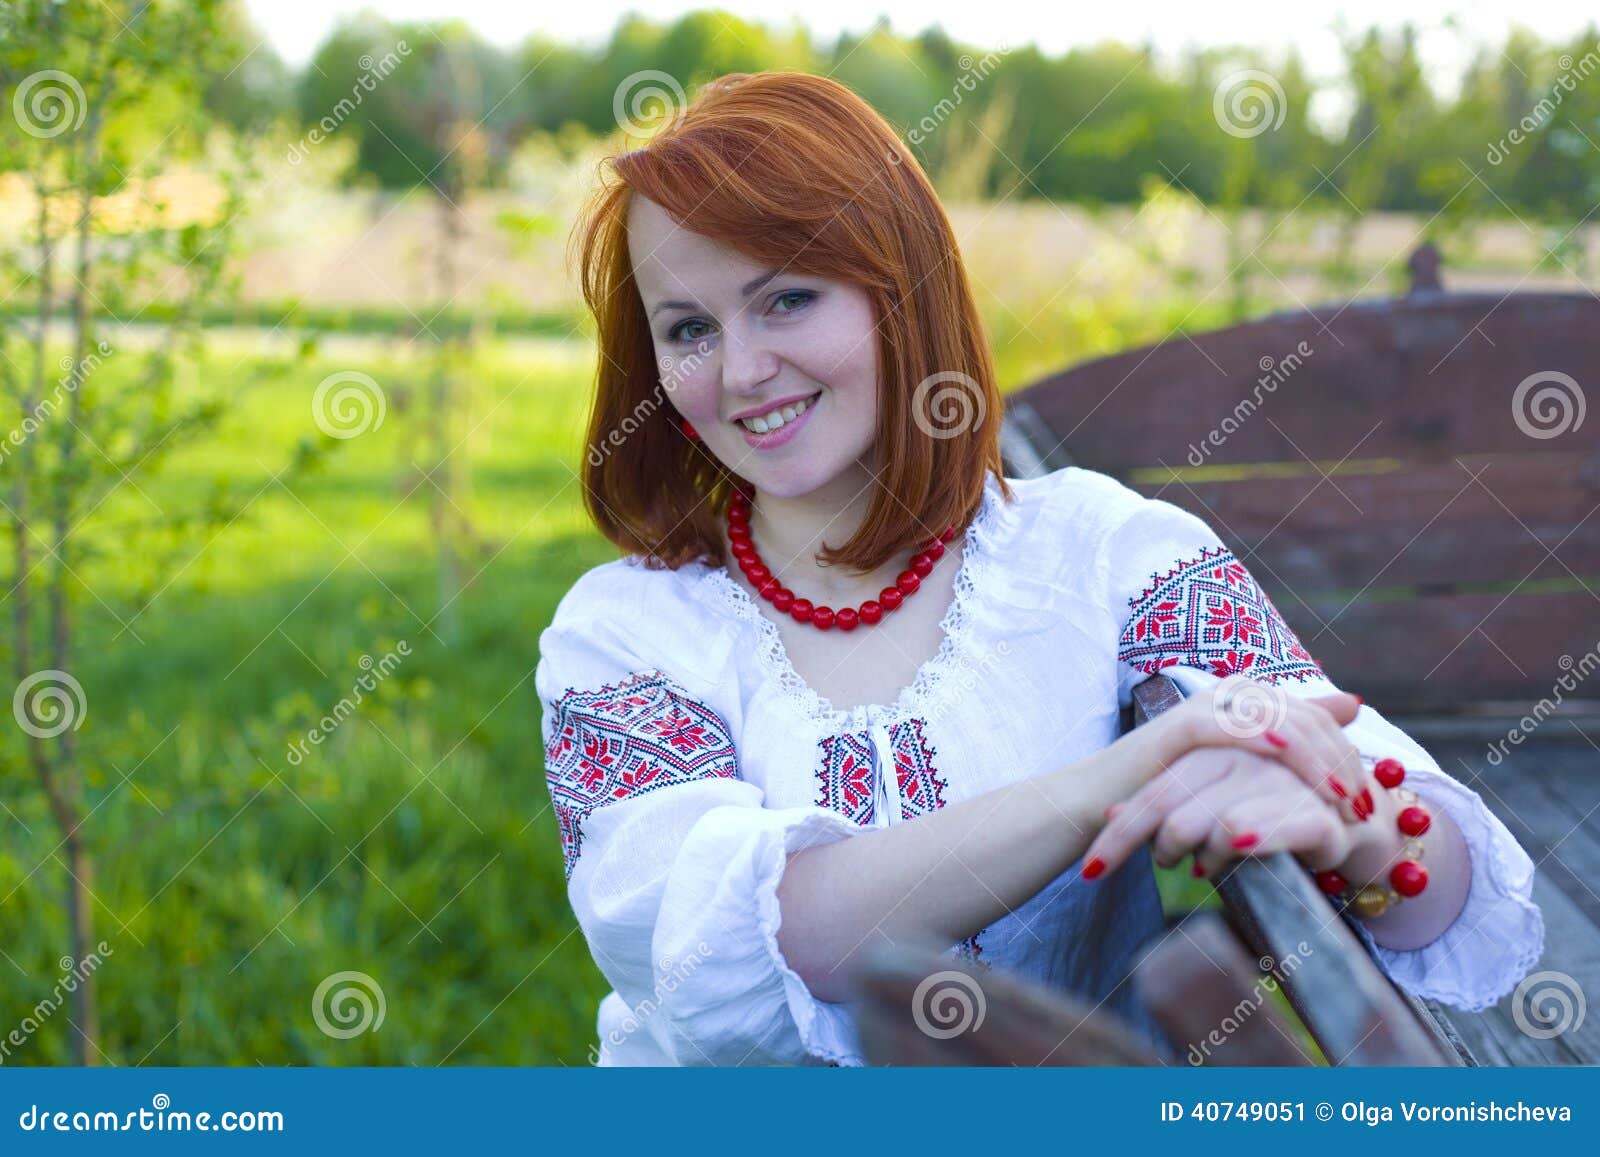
(673, 860)
(1189, 609)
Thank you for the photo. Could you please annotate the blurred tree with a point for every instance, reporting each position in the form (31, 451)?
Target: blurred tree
(105, 98)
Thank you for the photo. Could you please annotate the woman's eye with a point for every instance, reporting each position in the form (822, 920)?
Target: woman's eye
(677, 332)
(805, 295)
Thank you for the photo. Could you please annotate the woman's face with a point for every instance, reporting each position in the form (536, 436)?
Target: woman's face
(732, 341)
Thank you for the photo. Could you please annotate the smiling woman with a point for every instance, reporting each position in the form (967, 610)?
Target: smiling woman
(898, 716)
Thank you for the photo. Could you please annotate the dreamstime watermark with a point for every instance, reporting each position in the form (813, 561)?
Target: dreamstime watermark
(1249, 708)
(669, 974)
(76, 972)
(971, 73)
(1275, 972)
(49, 103)
(1547, 706)
(948, 404)
(1548, 404)
(963, 679)
(348, 404)
(1248, 103)
(948, 1004)
(1539, 116)
(73, 375)
(1274, 372)
(347, 1004)
(48, 703)
(1548, 1004)
(673, 373)
(372, 71)
(634, 98)
(345, 708)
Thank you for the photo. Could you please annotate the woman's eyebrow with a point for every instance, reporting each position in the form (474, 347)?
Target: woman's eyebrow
(745, 290)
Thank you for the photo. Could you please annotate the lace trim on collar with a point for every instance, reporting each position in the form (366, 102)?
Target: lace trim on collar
(933, 679)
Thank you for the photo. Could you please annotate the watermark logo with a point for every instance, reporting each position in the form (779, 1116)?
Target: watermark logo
(948, 1004)
(348, 404)
(1539, 116)
(1548, 404)
(948, 404)
(1248, 103)
(348, 1004)
(1548, 1004)
(372, 71)
(1249, 708)
(644, 98)
(1274, 372)
(48, 703)
(49, 103)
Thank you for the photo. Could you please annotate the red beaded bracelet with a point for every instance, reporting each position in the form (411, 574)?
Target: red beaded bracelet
(1408, 877)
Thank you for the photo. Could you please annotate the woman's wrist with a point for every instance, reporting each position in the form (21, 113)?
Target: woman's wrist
(1378, 844)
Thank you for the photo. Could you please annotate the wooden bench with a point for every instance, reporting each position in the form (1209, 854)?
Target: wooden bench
(1415, 484)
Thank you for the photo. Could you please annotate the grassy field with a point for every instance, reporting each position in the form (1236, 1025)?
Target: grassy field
(414, 845)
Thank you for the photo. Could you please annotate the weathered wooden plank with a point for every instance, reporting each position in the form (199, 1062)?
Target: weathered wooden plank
(1426, 377)
(1433, 654)
(1213, 1001)
(1546, 792)
(1436, 526)
(917, 1006)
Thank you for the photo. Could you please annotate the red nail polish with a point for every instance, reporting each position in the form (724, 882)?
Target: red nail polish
(1359, 700)
(1245, 839)
(1275, 739)
(1093, 867)
(1196, 870)
(1338, 788)
(1366, 803)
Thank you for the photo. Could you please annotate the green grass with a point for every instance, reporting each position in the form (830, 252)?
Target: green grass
(415, 845)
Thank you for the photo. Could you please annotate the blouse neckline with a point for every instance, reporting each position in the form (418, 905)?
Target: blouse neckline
(971, 579)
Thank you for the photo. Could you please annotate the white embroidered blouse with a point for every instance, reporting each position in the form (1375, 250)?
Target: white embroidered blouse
(686, 758)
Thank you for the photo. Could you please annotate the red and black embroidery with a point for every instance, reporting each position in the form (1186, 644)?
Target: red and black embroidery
(921, 787)
(623, 740)
(1210, 613)
(846, 781)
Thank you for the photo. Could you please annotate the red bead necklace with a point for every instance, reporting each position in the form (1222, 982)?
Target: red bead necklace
(801, 610)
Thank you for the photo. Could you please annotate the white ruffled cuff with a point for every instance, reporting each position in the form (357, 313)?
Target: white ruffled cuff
(766, 1014)
(1499, 935)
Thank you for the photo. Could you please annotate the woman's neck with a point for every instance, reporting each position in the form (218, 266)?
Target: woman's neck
(789, 532)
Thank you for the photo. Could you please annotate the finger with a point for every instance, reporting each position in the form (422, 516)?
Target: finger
(1294, 729)
(1344, 706)
(1281, 821)
(1185, 830)
(1304, 748)
(1136, 819)
(1340, 756)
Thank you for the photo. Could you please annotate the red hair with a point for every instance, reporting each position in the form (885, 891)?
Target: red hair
(792, 171)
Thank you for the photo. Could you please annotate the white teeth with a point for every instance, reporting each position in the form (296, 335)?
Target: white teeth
(767, 423)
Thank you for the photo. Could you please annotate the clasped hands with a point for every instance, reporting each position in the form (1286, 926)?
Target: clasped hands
(1257, 771)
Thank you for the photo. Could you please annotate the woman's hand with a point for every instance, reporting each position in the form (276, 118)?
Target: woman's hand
(1220, 803)
(1303, 734)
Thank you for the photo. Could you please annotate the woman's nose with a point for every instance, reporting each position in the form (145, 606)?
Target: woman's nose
(746, 362)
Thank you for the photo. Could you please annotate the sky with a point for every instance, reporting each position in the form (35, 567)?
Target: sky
(1450, 30)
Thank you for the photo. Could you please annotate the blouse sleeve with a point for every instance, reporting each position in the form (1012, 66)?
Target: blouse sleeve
(673, 862)
(1190, 610)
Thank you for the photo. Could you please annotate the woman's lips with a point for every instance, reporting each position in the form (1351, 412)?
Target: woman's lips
(783, 433)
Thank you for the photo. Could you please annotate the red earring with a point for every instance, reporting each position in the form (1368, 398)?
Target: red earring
(689, 429)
